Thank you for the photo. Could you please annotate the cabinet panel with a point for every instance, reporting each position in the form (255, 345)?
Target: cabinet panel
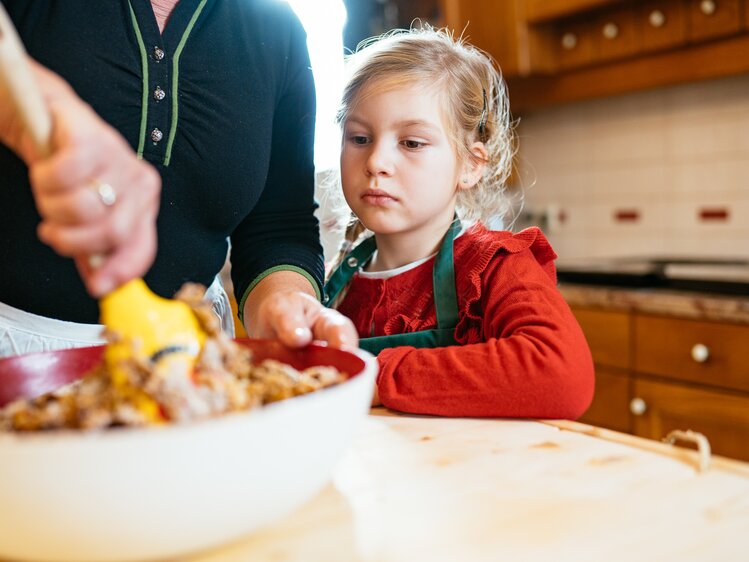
(709, 19)
(544, 10)
(608, 335)
(610, 406)
(614, 35)
(722, 417)
(691, 350)
(662, 24)
(573, 45)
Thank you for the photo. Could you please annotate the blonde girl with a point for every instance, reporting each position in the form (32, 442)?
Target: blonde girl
(465, 321)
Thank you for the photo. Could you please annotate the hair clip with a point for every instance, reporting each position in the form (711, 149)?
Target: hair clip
(482, 121)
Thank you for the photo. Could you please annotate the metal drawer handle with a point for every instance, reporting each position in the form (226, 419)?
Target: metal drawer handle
(610, 30)
(657, 18)
(708, 7)
(700, 352)
(638, 406)
(569, 41)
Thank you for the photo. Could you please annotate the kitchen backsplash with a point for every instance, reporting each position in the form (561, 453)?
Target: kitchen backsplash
(663, 172)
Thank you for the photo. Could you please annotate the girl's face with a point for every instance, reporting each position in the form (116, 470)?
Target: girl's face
(399, 170)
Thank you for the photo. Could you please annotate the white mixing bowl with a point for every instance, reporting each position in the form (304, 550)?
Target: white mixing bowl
(143, 494)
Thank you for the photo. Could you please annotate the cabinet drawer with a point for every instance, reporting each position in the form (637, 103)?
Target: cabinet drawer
(573, 43)
(614, 35)
(662, 24)
(691, 350)
(608, 335)
(722, 417)
(713, 18)
(610, 406)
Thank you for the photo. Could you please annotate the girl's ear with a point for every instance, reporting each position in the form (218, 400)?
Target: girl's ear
(473, 169)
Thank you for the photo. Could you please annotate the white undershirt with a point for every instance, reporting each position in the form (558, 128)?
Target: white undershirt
(388, 273)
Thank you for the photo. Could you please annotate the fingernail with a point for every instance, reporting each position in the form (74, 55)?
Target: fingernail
(302, 333)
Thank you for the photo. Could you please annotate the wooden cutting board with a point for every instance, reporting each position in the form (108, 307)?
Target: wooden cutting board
(416, 489)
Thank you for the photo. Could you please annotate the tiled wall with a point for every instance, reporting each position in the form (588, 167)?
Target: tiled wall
(632, 175)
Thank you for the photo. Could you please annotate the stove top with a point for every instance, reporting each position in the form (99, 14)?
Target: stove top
(730, 276)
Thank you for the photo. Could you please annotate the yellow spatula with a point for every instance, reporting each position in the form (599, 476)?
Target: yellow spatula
(157, 327)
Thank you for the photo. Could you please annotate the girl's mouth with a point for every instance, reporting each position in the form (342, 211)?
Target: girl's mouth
(378, 197)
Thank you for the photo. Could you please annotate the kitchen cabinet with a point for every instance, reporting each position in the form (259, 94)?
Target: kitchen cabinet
(709, 19)
(723, 417)
(610, 407)
(663, 25)
(367, 18)
(554, 51)
(656, 373)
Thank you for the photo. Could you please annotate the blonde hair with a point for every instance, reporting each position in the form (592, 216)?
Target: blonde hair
(476, 105)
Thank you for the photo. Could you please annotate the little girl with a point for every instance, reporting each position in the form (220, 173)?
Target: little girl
(464, 321)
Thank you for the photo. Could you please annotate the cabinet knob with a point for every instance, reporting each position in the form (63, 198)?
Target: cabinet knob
(638, 406)
(700, 352)
(657, 18)
(708, 7)
(610, 30)
(569, 41)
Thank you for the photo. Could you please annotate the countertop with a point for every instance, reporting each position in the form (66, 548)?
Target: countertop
(684, 304)
(418, 488)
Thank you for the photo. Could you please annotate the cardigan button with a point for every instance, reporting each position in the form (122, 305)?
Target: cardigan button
(352, 262)
(159, 94)
(158, 53)
(156, 135)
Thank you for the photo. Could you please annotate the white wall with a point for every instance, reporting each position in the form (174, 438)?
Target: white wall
(664, 155)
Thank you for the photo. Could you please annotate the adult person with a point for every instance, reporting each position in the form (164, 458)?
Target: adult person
(212, 99)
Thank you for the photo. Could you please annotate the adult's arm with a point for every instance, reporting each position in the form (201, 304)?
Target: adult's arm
(535, 361)
(277, 264)
(85, 150)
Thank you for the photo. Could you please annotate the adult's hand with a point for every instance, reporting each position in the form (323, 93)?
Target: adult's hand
(282, 306)
(76, 220)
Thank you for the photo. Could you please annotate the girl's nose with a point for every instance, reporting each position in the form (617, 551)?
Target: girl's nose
(379, 161)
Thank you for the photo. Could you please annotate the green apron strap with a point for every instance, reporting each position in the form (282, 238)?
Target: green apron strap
(348, 267)
(443, 280)
(422, 339)
(443, 285)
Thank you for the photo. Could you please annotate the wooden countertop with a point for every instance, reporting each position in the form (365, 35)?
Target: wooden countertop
(684, 304)
(416, 488)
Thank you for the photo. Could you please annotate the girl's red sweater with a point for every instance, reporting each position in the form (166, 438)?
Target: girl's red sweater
(521, 352)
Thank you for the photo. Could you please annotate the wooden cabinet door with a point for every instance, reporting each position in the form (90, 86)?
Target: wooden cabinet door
(573, 44)
(610, 407)
(495, 27)
(709, 19)
(608, 335)
(614, 35)
(662, 24)
(722, 417)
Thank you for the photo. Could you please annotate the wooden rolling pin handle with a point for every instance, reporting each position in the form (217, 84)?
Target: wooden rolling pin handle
(24, 93)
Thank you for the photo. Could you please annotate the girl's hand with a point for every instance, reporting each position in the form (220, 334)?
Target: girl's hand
(297, 318)
(281, 307)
